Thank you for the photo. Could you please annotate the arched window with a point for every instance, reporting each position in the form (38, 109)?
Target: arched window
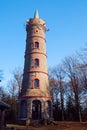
(36, 44)
(36, 110)
(36, 62)
(36, 83)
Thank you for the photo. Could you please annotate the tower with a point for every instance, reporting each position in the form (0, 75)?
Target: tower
(35, 100)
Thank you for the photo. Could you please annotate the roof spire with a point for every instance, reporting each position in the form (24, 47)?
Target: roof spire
(36, 15)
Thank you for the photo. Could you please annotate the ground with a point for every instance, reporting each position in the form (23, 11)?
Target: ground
(59, 126)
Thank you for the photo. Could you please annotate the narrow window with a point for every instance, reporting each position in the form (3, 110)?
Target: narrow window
(36, 62)
(36, 45)
(36, 83)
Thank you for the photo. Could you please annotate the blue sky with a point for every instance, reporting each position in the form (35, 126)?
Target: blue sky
(65, 19)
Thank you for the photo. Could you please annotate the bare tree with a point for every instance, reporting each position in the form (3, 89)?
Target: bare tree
(82, 67)
(59, 74)
(58, 83)
(71, 71)
(53, 85)
(14, 85)
(2, 94)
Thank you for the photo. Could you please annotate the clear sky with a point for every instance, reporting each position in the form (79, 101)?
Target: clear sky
(65, 19)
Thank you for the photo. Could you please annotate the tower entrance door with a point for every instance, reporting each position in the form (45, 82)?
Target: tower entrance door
(36, 110)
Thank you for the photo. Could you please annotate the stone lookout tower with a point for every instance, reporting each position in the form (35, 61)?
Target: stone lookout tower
(35, 100)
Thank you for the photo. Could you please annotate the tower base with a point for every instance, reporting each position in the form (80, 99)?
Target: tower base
(34, 109)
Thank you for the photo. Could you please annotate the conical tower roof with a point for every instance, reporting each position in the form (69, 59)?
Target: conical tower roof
(36, 15)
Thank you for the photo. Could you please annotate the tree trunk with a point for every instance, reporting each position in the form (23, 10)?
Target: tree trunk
(78, 107)
(62, 100)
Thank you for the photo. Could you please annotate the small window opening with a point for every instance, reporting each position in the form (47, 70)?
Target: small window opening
(36, 45)
(36, 83)
(36, 62)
